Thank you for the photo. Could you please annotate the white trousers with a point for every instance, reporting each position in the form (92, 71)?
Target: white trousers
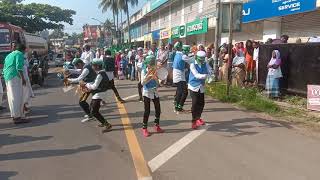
(27, 92)
(15, 97)
(1, 92)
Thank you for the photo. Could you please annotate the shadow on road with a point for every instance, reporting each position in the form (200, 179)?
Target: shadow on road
(5, 175)
(46, 153)
(245, 126)
(8, 139)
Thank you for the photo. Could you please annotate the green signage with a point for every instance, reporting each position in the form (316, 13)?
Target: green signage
(199, 26)
(156, 3)
(178, 32)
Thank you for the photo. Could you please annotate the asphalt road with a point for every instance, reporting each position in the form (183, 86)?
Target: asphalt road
(235, 145)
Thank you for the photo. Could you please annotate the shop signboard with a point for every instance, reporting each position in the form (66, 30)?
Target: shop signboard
(255, 10)
(165, 33)
(199, 26)
(155, 34)
(178, 32)
(157, 3)
(313, 97)
(148, 37)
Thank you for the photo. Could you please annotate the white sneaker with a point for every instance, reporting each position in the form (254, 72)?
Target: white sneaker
(87, 119)
(86, 116)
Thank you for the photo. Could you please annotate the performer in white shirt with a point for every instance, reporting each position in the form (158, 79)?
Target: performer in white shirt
(199, 71)
(87, 55)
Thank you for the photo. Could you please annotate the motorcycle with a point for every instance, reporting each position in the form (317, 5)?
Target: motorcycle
(36, 72)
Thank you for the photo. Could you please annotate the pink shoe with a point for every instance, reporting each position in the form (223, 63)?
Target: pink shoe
(200, 122)
(194, 125)
(145, 132)
(158, 129)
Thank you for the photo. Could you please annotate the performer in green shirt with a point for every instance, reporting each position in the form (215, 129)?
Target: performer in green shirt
(13, 76)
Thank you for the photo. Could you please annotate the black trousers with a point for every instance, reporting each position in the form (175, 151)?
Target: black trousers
(84, 105)
(181, 93)
(197, 104)
(95, 110)
(146, 115)
(140, 90)
(114, 89)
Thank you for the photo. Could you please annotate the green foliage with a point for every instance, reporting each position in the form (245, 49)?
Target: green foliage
(35, 17)
(56, 34)
(249, 98)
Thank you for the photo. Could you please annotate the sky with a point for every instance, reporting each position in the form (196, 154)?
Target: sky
(85, 11)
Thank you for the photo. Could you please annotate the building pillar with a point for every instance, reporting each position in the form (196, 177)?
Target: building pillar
(271, 28)
(182, 13)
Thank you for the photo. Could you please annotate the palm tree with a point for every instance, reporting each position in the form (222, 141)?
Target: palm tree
(124, 4)
(112, 5)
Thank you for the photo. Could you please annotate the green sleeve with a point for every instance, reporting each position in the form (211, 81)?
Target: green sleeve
(19, 61)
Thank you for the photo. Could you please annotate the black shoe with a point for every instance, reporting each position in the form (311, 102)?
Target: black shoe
(21, 121)
(140, 100)
(108, 127)
(2, 108)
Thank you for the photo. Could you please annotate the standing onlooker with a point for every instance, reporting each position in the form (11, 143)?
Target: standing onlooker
(87, 55)
(256, 46)
(162, 55)
(171, 55)
(132, 59)
(1, 95)
(139, 66)
(274, 75)
(238, 69)
(249, 62)
(13, 75)
(194, 48)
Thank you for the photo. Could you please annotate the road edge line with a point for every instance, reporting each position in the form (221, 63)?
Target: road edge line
(141, 166)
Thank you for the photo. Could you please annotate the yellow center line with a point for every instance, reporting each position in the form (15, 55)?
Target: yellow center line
(142, 169)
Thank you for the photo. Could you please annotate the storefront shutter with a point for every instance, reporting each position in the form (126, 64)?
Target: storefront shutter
(302, 25)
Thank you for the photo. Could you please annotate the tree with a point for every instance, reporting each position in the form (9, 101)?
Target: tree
(56, 34)
(124, 4)
(35, 17)
(12, 1)
(112, 5)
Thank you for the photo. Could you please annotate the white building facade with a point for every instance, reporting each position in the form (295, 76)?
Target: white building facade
(193, 21)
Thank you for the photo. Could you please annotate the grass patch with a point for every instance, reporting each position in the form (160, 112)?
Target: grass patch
(250, 98)
(295, 100)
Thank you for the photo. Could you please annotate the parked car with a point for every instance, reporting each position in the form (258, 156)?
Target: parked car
(59, 60)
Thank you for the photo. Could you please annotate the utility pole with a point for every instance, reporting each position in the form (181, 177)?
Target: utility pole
(230, 48)
(217, 40)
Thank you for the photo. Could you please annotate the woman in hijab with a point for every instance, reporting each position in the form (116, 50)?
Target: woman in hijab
(238, 69)
(250, 68)
(274, 75)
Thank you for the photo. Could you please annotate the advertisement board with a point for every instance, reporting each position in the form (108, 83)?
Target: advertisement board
(155, 34)
(198, 26)
(178, 32)
(313, 97)
(255, 10)
(165, 33)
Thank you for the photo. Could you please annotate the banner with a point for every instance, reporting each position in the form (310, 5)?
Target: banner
(255, 10)
(155, 34)
(197, 27)
(165, 33)
(314, 97)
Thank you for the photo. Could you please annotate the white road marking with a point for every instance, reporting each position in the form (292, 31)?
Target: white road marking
(174, 149)
(130, 97)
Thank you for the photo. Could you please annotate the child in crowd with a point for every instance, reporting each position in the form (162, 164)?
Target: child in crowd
(199, 71)
(150, 84)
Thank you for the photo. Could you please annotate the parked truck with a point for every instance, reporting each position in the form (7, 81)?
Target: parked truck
(10, 33)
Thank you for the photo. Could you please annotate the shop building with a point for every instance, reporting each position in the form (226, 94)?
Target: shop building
(193, 21)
